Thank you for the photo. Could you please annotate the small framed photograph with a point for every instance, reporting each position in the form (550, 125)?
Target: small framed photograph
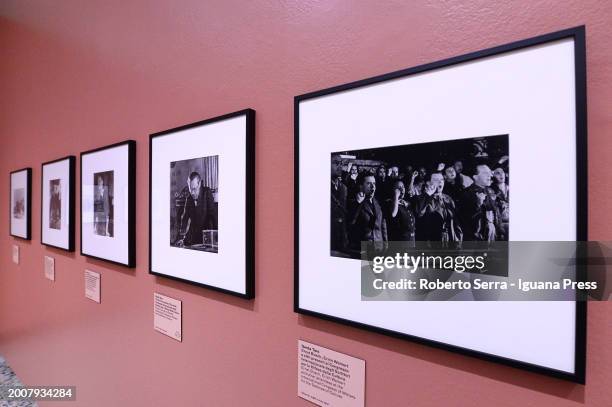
(202, 203)
(20, 204)
(57, 206)
(422, 155)
(108, 203)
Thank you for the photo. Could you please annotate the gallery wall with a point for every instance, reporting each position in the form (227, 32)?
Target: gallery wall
(77, 75)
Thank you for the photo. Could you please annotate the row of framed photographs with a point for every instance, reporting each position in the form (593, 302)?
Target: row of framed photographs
(524, 100)
(201, 203)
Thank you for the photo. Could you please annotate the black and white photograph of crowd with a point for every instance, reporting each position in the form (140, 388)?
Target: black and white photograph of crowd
(448, 191)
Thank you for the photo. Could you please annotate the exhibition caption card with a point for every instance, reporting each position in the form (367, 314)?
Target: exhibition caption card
(92, 285)
(168, 316)
(329, 378)
(50, 268)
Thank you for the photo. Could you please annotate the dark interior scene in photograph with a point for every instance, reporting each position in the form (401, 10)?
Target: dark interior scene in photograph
(18, 203)
(440, 193)
(194, 201)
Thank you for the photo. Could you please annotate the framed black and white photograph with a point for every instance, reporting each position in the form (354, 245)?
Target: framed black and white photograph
(20, 203)
(202, 203)
(108, 203)
(423, 155)
(57, 205)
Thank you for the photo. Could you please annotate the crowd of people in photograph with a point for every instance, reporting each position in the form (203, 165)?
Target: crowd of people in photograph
(446, 202)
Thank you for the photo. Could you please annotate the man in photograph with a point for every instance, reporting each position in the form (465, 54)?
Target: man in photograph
(102, 210)
(339, 239)
(436, 213)
(383, 183)
(453, 185)
(479, 215)
(351, 181)
(367, 220)
(198, 212)
(400, 216)
(462, 180)
(55, 205)
(393, 175)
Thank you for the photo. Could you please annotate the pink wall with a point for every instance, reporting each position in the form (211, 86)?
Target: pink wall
(76, 74)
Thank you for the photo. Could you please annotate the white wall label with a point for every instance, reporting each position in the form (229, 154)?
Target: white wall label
(50, 268)
(168, 316)
(15, 254)
(329, 378)
(92, 285)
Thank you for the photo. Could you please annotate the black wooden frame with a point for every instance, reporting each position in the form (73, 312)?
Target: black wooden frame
(249, 196)
(578, 35)
(28, 207)
(71, 201)
(131, 202)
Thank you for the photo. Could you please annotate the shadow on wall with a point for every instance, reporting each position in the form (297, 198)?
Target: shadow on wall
(522, 378)
(250, 305)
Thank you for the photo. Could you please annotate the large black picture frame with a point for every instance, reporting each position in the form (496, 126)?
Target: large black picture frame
(578, 36)
(131, 205)
(71, 202)
(249, 198)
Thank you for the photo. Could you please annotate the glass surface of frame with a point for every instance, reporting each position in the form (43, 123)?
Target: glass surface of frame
(108, 203)
(20, 203)
(57, 203)
(533, 94)
(202, 203)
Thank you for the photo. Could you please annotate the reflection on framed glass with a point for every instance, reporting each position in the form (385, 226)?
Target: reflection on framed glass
(20, 203)
(108, 203)
(202, 203)
(423, 154)
(57, 205)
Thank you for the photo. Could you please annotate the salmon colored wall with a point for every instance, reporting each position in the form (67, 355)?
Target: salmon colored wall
(76, 74)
